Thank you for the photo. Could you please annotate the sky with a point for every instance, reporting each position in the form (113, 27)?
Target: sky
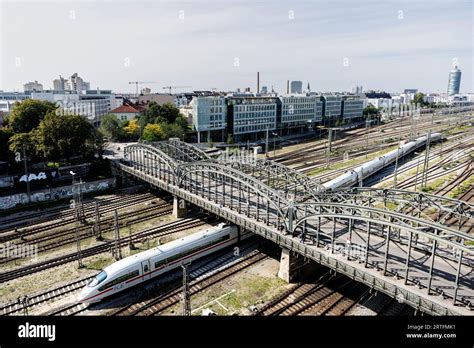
(204, 44)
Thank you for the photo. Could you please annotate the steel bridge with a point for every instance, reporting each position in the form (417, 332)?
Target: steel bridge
(405, 244)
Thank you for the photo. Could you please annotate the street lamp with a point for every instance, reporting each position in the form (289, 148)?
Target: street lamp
(274, 139)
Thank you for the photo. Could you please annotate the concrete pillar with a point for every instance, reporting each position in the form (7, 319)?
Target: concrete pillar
(179, 208)
(294, 266)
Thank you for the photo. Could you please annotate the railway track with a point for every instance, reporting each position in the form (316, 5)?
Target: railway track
(61, 260)
(33, 230)
(84, 231)
(69, 309)
(37, 299)
(349, 143)
(63, 212)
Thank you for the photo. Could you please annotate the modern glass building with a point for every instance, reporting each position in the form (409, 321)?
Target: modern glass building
(209, 115)
(352, 108)
(454, 82)
(296, 87)
(298, 110)
(249, 115)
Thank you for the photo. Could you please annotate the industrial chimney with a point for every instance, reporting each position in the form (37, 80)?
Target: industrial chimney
(258, 82)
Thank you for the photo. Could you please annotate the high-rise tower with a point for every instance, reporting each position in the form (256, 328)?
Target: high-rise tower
(454, 82)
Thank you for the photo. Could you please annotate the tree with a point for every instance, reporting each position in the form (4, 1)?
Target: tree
(20, 142)
(419, 99)
(64, 136)
(182, 122)
(370, 110)
(28, 114)
(153, 132)
(5, 134)
(168, 113)
(132, 130)
(172, 131)
(110, 126)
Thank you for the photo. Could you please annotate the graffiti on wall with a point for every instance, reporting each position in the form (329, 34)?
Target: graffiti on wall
(57, 193)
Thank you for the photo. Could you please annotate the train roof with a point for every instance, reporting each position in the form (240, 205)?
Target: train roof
(161, 249)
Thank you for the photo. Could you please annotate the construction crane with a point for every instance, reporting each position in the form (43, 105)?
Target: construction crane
(136, 83)
(174, 87)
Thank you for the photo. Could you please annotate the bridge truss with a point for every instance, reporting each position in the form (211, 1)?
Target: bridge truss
(404, 243)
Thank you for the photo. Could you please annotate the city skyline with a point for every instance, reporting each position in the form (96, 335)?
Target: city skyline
(210, 44)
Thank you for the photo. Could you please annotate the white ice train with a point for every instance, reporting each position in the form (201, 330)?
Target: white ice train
(353, 177)
(143, 266)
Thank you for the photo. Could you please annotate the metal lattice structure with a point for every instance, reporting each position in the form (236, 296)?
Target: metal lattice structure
(399, 242)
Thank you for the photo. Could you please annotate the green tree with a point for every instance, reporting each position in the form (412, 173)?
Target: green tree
(132, 130)
(28, 114)
(419, 99)
(5, 134)
(370, 110)
(168, 113)
(182, 122)
(110, 126)
(153, 132)
(64, 136)
(23, 141)
(172, 131)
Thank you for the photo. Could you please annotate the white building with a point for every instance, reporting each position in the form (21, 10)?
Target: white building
(77, 84)
(32, 86)
(357, 89)
(92, 104)
(8, 100)
(60, 84)
(127, 112)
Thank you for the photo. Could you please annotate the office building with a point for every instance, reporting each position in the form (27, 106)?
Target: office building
(352, 109)
(296, 87)
(250, 116)
(332, 108)
(454, 82)
(209, 116)
(60, 84)
(77, 84)
(300, 110)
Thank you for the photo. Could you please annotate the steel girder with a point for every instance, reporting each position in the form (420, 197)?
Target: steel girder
(205, 170)
(430, 230)
(278, 176)
(181, 151)
(413, 203)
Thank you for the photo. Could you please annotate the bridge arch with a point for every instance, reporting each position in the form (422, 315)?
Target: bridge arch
(151, 160)
(234, 189)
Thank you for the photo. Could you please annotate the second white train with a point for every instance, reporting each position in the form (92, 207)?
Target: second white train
(353, 177)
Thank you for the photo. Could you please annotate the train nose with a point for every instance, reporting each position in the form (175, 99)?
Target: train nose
(83, 296)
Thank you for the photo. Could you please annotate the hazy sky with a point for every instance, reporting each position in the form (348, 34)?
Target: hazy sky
(221, 44)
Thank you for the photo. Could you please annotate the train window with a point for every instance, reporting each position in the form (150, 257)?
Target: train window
(120, 280)
(98, 279)
(145, 268)
(196, 249)
(160, 263)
